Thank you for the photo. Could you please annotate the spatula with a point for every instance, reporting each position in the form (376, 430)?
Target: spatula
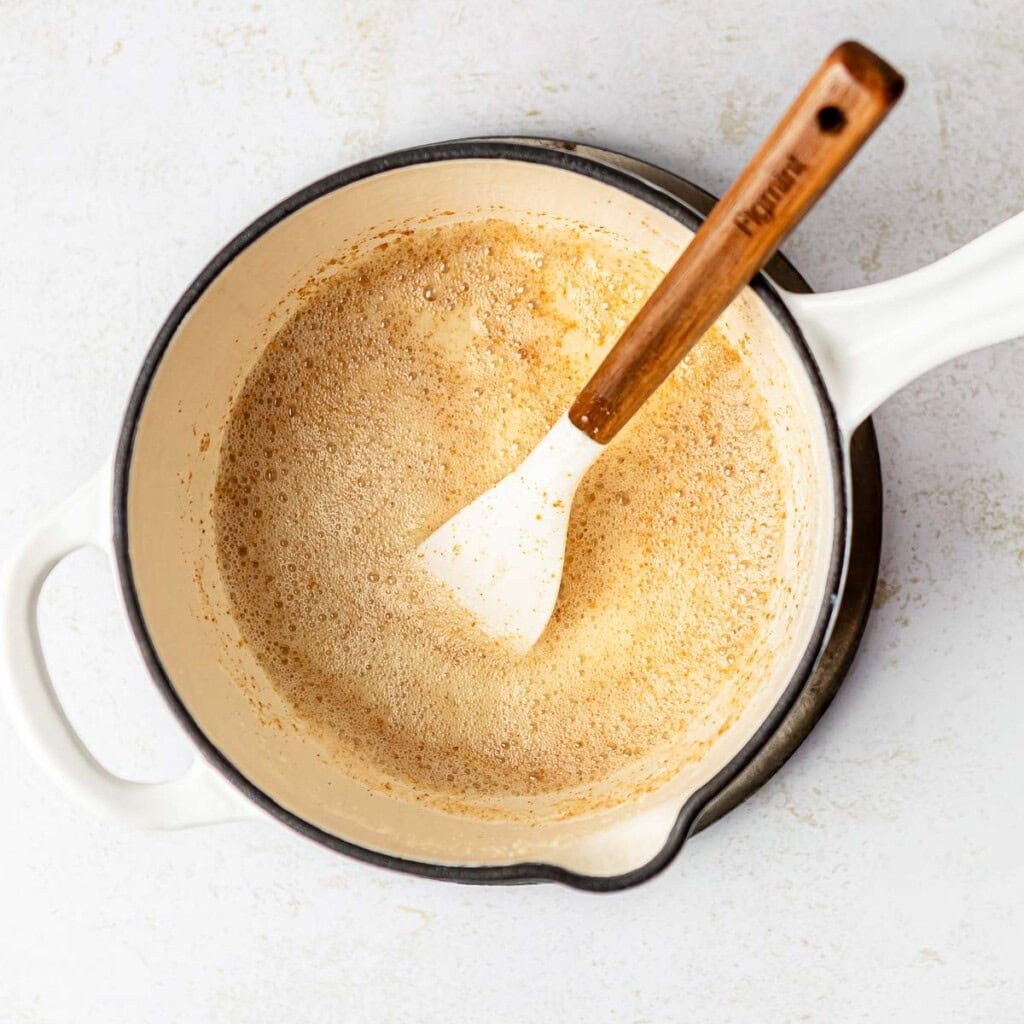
(502, 555)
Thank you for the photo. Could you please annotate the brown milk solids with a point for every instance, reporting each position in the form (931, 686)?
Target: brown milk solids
(405, 387)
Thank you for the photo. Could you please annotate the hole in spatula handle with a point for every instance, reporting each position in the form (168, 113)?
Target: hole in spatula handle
(831, 120)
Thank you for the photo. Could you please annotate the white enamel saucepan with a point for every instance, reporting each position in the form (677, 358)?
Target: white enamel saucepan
(824, 362)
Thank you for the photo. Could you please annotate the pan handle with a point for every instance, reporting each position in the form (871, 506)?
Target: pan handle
(198, 797)
(869, 342)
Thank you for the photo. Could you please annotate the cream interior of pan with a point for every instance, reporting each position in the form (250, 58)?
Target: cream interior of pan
(174, 470)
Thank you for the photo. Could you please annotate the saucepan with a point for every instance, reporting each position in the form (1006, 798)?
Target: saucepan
(824, 360)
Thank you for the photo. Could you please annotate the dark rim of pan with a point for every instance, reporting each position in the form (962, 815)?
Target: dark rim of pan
(564, 159)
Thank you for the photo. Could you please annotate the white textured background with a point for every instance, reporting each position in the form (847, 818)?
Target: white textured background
(879, 876)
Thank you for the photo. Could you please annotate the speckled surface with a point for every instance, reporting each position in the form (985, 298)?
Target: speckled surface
(878, 876)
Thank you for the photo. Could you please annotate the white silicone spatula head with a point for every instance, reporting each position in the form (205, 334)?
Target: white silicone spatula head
(502, 555)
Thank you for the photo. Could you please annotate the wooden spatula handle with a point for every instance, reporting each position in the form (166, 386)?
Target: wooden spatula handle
(838, 109)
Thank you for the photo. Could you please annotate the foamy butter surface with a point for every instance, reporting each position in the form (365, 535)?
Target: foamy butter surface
(402, 390)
